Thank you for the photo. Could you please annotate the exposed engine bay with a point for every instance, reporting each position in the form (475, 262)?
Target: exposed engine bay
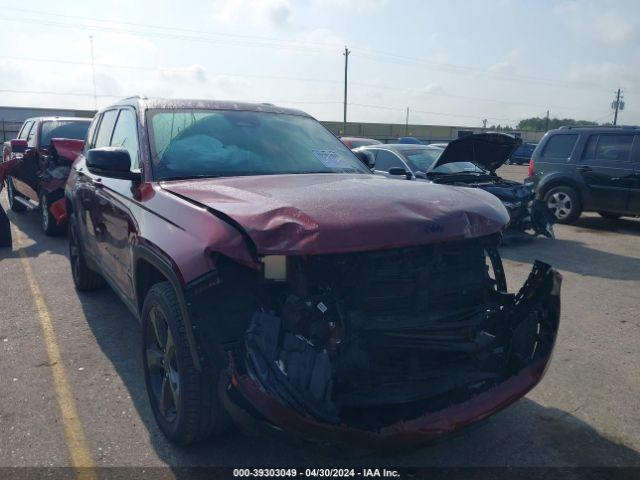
(370, 339)
(526, 213)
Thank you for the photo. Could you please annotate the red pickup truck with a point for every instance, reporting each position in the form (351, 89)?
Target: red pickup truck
(45, 149)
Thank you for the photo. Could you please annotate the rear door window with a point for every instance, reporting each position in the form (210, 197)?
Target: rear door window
(614, 148)
(608, 149)
(560, 146)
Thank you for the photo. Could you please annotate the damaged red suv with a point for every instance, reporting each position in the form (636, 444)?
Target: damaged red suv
(279, 282)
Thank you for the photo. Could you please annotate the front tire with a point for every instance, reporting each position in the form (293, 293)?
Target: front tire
(184, 399)
(84, 278)
(11, 193)
(565, 204)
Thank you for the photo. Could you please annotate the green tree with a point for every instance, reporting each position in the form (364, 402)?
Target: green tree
(539, 123)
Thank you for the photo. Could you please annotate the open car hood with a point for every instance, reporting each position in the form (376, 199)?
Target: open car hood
(486, 150)
(330, 213)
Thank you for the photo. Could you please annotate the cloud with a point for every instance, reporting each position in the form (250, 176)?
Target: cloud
(426, 90)
(601, 74)
(263, 13)
(507, 65)
(604, 21)
(191, 74)
(358, 5)
(322, 36)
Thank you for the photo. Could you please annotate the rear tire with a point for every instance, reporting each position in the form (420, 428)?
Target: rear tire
(84, 278)
(184, 399)
(565, 204)
(11, 193)
(47, 221)
(610, 216)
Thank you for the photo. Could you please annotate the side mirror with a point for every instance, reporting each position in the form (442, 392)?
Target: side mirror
(400, 171)
(17, 145)
(366, 157)
(111, 162)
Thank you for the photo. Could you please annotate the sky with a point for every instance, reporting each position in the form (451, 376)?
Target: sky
(450, 62)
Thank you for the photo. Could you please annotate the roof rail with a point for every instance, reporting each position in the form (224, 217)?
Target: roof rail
(141, 97)
(620, 127)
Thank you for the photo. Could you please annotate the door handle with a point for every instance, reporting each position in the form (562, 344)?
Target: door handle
(584, 169)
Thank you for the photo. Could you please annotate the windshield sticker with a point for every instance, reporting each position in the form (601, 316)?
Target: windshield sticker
(330, 158)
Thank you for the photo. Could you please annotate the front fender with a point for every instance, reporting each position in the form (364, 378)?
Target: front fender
(153, 255)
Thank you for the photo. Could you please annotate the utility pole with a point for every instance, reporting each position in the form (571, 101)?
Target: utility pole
(406, 124)
(484, 123)
(346, 69)
(93, 73)
(617, 104)
(546, 123)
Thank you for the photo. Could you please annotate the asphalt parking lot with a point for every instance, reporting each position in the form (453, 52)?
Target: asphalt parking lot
(586, 411)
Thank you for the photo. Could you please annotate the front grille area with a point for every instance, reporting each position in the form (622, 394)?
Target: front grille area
(404, 281)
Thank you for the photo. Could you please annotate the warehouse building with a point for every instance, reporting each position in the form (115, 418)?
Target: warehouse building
(12, 118)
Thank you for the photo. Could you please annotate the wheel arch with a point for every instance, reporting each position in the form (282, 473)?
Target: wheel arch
(552, 181)
(151, 267)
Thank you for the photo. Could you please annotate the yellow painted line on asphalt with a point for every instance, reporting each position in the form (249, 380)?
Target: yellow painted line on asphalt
(73, 431)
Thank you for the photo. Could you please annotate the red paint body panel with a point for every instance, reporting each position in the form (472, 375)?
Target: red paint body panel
(402, 434)
(5, 169)
(332, 213)
(59, 211)
(67, 148)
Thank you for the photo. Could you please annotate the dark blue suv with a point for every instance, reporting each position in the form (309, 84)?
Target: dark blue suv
(588, 169)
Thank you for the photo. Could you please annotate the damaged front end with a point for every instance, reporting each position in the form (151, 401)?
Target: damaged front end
(527, 215)
(389, 348)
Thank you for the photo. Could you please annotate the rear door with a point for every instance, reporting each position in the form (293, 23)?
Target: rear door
(25, 176)
(93, 207)
(633, 205)
(607, 170)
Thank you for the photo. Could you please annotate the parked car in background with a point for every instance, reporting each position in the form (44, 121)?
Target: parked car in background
(575, 170)
(522, 154)
(409, 140)
(355, 142)
(280, 283)
(470, 161)
(45, 149)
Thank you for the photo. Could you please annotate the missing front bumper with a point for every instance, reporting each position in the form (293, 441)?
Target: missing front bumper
(306, 403)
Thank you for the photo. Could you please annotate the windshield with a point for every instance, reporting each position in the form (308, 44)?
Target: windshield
(73, 129)
(459, 167)
(193, 143)
(421, 159)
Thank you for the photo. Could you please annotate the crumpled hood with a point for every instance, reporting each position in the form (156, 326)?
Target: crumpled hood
(486, 150)
(331, 213)
(67, 148)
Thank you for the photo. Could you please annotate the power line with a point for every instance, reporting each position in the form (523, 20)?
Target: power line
(166, 27)
(270, 42)
(475, 71)
(285, 78)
